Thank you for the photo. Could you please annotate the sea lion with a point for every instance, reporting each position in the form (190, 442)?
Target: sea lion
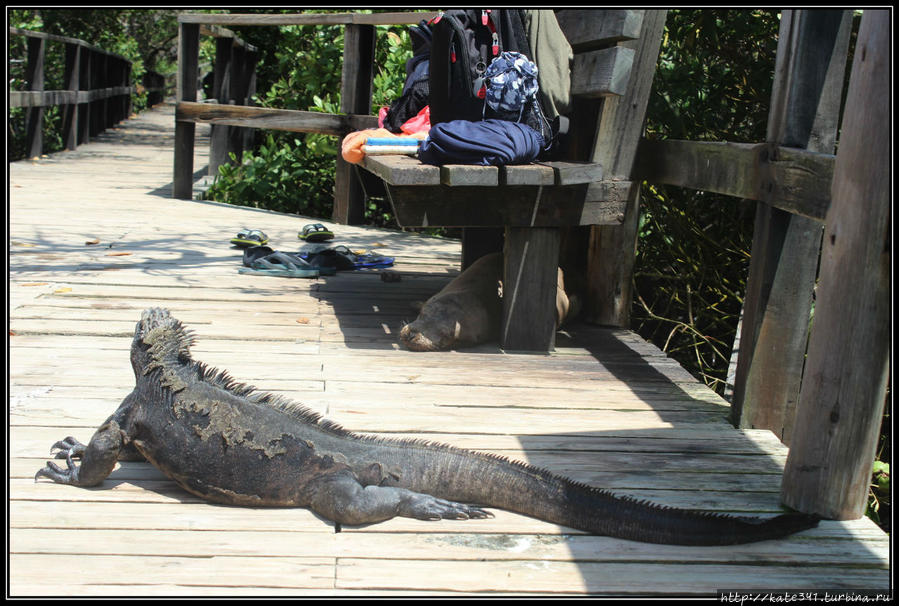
(468, 311)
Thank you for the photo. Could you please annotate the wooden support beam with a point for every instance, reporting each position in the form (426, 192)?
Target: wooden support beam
(531, 257)
(610, 255)
(828, 469)
(71, 78)
(188, 61)
(805, 107)
(221, 92)
(600, 203)
(587, 30)
(278, 119)
(792, 179)
(398, 18)
(34, 75)
(355, 98)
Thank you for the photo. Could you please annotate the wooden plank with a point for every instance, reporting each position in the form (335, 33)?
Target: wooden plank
(800, 182)
(574, 173)
(469, 175)
(355, 98)
(812, 51)
(63, 39)
(235, 19)
(527, 174)
(220, 32)
(71, 81)
(277, 119)
(593, 578)
(186, 91)
(296, 573)
(416, 206)
(792, 179)
(402, 170)
(722, 167)
(601, 73)
(588, 29)
(221, 92)
(34, 75)
(610, 254)
(846, 374)
(530, 278)
(419, 546)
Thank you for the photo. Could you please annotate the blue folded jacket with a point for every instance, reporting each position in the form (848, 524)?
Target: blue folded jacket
(488, 142)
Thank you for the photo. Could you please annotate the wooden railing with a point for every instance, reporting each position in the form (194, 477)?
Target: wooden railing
(157, 87)
(96, 90)
(231, 64)
(822, 391)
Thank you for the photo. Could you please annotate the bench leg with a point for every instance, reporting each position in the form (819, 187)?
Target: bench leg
(529, 289)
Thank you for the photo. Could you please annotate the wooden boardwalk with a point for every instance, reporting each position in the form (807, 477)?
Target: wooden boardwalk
(94, 239)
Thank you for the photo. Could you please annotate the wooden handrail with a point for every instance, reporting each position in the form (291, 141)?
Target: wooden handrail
(97, 91)
(398, 18)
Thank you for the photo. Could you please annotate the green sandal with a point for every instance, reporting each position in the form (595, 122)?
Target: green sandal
(249, 237)
(315, 232)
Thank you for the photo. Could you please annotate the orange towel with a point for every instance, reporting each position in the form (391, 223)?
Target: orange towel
(351, 148)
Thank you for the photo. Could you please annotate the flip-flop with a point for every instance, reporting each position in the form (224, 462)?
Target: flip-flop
(279, 264)
(249, 237)
(341, 258)
(255, 252)
(315, 232)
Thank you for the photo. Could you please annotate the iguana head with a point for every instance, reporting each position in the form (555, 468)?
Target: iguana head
(158, 339)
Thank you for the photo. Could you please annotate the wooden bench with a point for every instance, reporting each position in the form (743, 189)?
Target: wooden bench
(529, 206)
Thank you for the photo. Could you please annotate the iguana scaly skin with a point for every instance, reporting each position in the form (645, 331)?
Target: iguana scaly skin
(229, 443)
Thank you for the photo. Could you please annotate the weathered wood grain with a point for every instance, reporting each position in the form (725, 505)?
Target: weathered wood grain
(777, 308)
(587, 29)
(846, 374)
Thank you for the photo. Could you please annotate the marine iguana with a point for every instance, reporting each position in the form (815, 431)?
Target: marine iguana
(229, 443)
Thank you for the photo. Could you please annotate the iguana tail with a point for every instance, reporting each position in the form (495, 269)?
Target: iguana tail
(493, 481)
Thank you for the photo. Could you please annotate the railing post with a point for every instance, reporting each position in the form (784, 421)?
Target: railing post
(841, 403)
(188, 62)
(252, 57)
(238, 97)
(221, 92)
(34, 116)
(70, 112)
(805, 106)
(355, 98)
(84, 85)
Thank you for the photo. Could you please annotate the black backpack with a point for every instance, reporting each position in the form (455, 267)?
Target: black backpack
(415, 91)
(459, 46)
(463, 44)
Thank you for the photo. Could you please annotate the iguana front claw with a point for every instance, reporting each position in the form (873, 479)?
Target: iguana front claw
(60, 476)
(69, 447)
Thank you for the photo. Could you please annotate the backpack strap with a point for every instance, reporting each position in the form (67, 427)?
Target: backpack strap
(439, 78)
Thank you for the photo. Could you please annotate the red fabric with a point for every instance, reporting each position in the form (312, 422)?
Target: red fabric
(420, 123)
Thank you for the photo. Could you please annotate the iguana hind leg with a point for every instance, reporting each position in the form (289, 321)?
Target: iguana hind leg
(340, 498)
(97, 458)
